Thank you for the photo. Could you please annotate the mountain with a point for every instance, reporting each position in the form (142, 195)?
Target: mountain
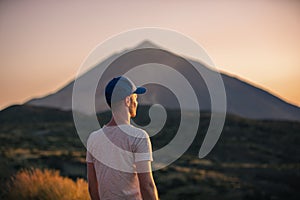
(243, 99)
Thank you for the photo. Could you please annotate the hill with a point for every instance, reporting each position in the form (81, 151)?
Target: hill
(253, 159)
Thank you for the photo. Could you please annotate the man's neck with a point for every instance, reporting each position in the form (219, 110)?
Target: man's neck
(118, 121)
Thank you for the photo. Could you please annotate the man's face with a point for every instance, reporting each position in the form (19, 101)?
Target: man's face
(133, 105)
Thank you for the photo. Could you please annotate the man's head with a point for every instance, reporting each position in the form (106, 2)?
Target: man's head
(122, 91)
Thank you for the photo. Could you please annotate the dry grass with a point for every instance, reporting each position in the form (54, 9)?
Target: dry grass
(36, 184)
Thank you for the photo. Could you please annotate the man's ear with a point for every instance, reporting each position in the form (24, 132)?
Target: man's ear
(127, 101)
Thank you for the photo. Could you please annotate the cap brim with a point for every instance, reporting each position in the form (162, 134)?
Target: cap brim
(140, 90)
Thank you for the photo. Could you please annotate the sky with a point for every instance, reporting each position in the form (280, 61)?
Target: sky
(44, 42)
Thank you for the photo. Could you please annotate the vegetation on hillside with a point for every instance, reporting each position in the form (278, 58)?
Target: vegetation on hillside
(252, 160)
(45, 185)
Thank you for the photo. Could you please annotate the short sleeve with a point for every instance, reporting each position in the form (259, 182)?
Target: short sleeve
(143, 148)
(89, 157)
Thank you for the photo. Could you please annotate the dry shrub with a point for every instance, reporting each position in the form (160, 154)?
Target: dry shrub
(36, 184)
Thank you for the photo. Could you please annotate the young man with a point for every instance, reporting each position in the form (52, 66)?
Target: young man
(119, 155)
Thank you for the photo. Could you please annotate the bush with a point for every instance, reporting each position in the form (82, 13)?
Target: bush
(36, 184)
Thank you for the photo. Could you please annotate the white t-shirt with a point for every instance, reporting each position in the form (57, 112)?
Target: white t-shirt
(114, 150)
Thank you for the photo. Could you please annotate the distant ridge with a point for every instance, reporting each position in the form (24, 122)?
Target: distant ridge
(243, 99)
(28, 113)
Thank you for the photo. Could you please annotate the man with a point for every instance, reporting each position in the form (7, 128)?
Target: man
(119, 155)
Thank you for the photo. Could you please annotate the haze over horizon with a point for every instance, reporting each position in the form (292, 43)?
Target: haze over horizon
(43, 43)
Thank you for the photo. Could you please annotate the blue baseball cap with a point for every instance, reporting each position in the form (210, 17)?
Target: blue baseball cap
(119, 88)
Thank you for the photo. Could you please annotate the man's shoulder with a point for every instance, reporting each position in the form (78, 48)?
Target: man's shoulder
(95, 134)
(136, 128)
(139, 132)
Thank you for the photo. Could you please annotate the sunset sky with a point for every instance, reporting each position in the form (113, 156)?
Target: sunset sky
(44, 42)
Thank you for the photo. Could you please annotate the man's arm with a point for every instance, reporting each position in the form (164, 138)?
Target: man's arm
(92, 182)
(147, 185)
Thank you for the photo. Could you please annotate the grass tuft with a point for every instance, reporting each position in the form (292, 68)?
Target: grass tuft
(37, 184)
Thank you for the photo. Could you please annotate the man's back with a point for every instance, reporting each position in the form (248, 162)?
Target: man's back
(114, 150)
